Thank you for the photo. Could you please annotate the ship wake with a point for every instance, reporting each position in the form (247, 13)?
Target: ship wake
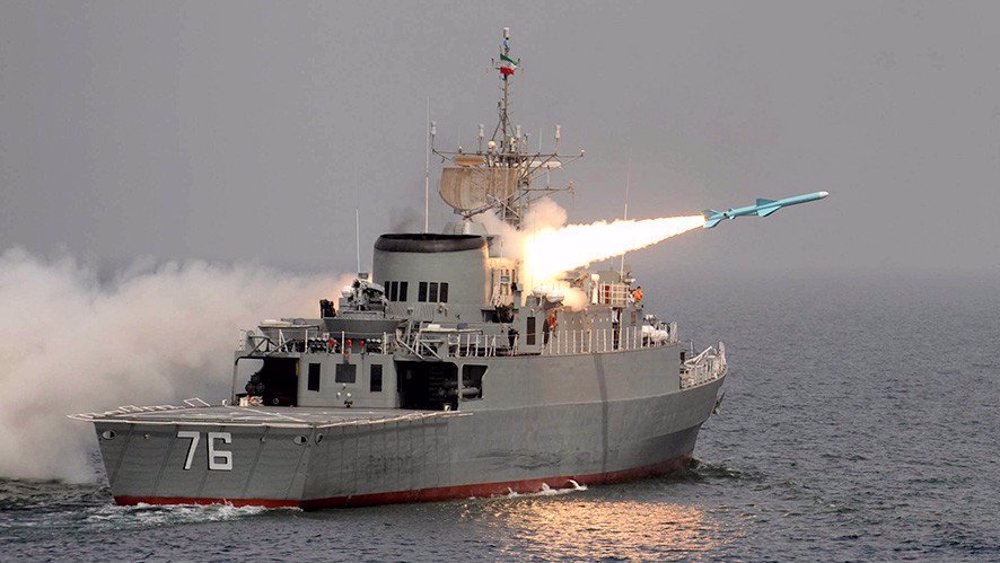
(548, 491)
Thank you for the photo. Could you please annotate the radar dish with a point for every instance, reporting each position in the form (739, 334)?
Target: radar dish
(469, 189)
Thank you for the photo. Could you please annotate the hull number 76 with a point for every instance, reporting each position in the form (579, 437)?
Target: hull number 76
(218, 460)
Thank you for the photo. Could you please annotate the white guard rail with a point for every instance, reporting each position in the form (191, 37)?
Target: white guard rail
(707, 366)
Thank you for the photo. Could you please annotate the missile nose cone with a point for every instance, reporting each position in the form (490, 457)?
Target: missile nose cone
(823, 194)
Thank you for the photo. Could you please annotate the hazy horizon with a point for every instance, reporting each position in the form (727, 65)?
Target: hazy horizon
(187, 131)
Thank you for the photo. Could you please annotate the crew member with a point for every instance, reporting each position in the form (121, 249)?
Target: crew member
(550, 326)
(637, 294)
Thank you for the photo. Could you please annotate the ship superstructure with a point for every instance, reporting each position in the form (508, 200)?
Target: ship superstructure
(441, 374)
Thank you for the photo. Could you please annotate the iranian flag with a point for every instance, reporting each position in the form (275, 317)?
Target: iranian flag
(508, 65)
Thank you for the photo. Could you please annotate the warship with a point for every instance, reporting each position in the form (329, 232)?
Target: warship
(446, 372)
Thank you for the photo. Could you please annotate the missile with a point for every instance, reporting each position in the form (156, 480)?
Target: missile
(763, 208)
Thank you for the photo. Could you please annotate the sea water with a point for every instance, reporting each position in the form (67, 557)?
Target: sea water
(860, 422)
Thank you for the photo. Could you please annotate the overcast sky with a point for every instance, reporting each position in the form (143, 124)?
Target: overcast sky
(245, 131)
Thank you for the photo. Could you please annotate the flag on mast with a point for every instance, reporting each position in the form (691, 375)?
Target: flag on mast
(508, 65)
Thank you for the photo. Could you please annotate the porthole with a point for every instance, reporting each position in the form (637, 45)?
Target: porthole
(108, 434)
(319, 438)
(300, 440)
(146, 436)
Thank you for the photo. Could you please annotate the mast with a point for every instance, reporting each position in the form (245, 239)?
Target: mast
(499, 179)
(507, 66)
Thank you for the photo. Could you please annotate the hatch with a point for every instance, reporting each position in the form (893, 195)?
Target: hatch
(427, 385)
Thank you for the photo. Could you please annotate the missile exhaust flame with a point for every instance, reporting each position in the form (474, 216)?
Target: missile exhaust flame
(549, 252)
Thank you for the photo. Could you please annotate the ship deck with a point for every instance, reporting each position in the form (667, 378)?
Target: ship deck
(287, 417)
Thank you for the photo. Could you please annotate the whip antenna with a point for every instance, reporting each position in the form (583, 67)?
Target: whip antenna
(357, 236)
(628, 181)
(427, 169)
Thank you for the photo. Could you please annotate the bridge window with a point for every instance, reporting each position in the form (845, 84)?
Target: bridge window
(530, 331)
(427, 292)
(346, 373)
(375, 379)
(396, 290)
(314, 377)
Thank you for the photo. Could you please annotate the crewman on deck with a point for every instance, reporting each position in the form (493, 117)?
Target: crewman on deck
(637, 294)
(551, 322)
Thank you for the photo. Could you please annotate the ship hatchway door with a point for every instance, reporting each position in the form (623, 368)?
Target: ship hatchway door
(280, 380)
(427, 385)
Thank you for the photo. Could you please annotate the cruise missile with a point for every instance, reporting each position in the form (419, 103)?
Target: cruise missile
(763, 208)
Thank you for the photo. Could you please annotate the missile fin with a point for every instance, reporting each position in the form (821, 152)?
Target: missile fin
(761, 201)
(712, 217)
(766, 212)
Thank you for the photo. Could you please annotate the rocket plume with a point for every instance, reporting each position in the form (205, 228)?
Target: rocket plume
(549, 252)
(547, 247)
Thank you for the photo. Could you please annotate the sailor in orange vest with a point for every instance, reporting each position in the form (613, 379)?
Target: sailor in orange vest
(551, 322)
(637, 294)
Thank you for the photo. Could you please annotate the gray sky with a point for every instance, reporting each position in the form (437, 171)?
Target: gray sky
(236, 131)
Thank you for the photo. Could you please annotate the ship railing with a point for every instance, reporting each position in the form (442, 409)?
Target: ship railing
(442, 344)
(614, 294)
(604, 340)
(280, 421)
(470, 345)
(707, 366)
(312, 342)
(389, 343)
(410, 417)
(453, 343)
(317, 341)
(252, 343)
(194, 402)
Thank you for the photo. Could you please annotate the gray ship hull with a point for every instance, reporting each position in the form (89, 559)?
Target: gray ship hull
(312, 458)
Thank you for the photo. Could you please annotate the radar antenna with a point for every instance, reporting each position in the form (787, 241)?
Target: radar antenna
(499, 179)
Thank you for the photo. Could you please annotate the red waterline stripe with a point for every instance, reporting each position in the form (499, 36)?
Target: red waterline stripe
(432, 494)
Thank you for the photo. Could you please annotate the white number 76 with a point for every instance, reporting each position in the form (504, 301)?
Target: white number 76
(218, 460)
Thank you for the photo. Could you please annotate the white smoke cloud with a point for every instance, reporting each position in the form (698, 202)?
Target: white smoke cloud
(544, 214)
(154, 335)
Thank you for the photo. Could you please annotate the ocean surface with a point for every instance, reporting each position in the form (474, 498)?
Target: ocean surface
(860, 422)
